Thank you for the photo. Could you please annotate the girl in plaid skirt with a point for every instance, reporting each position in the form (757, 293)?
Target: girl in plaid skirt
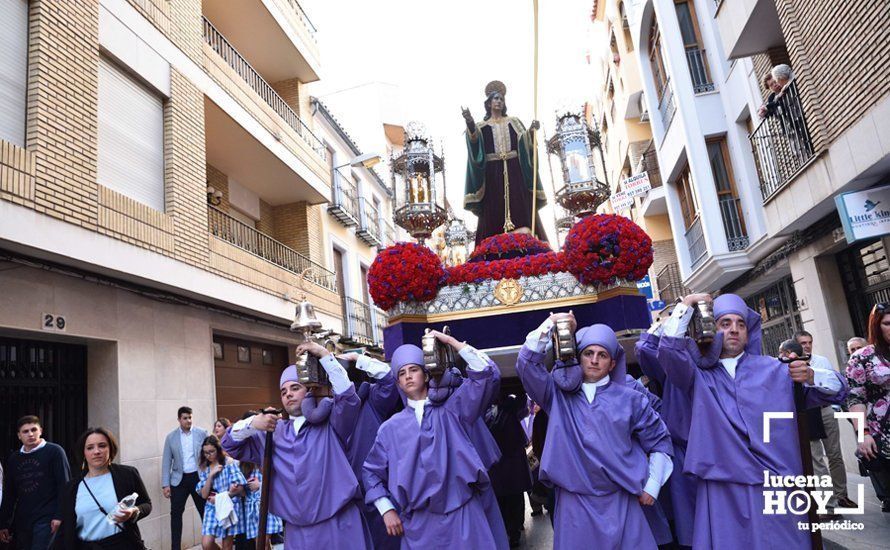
(249, 512)
(217, 474)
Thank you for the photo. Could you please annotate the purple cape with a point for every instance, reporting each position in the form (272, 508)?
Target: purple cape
(595, 457)
(379, 401)
(676, 411)
(432, 473)
(726, 448)
(313, 489)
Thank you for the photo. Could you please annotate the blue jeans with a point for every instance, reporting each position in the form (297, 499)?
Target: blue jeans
(36, 537)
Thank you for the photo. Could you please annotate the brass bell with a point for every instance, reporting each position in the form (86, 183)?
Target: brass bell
(702, 326)
(305, 320)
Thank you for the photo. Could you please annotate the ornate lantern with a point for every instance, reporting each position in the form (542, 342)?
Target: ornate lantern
(457, 239)
(419, 195)
(573, 143)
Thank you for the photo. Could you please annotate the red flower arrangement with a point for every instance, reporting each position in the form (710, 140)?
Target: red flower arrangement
(404, 272)
(508, 245)
(602, 248)
(479, 271)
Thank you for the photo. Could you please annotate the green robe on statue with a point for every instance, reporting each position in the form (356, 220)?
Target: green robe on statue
(498, 149)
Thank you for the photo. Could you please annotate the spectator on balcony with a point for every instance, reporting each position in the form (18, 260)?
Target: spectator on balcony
(768, 108)
(782, 76)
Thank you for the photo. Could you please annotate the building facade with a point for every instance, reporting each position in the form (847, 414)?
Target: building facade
(163, 204)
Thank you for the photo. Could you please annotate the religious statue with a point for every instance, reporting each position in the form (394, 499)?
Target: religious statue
(499, 170)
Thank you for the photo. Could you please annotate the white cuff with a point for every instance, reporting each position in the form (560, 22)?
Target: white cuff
(476, 360)
(539, 339)
(242, 429)
(375, 369)
(660, 469)
(336, 373)
(825, 381)
(678, 322)
(383, 505)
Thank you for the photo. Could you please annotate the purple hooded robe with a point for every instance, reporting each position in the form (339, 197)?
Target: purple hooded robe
(726, 448)
(431, 472)
(595, 455)
(314, 490)
(676, 411)
(379, 401)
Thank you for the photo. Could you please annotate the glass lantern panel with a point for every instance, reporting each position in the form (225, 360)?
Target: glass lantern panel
(577, 162)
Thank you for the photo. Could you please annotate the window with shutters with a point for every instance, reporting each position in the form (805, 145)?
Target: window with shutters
(686, 194)
(13, 70)
(131, 136)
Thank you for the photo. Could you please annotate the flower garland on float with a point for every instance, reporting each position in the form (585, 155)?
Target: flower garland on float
(599, 249)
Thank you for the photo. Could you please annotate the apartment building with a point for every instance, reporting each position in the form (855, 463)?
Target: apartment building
(358, 223)
(830, 137)
(622, 116)
(163, 197)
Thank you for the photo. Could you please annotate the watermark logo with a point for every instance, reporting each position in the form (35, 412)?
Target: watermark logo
(800, 494)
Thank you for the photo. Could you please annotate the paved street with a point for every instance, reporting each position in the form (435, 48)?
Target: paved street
(538, 534)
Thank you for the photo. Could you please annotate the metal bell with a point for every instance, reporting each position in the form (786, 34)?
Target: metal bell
(305, 320)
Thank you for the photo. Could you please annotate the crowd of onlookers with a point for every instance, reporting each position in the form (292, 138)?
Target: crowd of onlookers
(45, 506)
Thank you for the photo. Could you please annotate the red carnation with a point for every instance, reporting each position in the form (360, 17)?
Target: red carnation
(404, 272)
(602, 248)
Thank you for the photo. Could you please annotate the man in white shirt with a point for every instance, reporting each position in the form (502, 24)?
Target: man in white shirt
(830, 447)
(179, 471)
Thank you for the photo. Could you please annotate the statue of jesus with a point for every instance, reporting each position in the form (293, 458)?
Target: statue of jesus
(499, 170)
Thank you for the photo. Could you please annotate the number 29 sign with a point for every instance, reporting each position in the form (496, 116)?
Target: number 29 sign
(53, 322)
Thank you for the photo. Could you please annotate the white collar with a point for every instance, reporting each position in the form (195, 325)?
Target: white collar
(39, 446)
(730, 363)
(185, 433)
(417, 407)
(590, 387)
(298, 423)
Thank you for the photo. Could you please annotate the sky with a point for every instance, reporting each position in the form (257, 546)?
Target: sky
(441, 55)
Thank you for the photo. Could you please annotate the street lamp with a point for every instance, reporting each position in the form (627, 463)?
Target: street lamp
(368, 160)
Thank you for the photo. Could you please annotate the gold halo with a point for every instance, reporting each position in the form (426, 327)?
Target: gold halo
(495, 86)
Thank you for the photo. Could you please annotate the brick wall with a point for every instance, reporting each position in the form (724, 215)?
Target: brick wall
(840, 53)
(56, 172)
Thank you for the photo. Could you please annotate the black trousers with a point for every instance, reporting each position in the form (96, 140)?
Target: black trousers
(513, 511)
(179, 495)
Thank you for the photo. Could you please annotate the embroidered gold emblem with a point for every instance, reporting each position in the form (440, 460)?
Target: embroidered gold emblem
(508, 292)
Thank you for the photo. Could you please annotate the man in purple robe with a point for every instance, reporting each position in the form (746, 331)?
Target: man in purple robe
(607, 451)
(676, 411)
(314, 489)
(380, 400)
(483, 442)
(726, 450)
(424, 462)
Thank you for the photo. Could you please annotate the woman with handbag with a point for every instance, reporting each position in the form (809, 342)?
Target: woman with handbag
(868, 376)
(88, 499)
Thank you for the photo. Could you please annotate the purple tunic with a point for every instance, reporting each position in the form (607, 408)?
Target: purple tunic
(314, 490)
(595, 457)
(676, 411)
(379, 401)
(726, 450)
(432, 473)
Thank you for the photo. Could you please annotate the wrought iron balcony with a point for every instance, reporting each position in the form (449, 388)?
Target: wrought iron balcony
(343, 205)
(389, 234)
(238, 233)
(301, 13)
(358, 325)
(695, 240)
(670, 284)
(733, 225)
(698, 70)
(781, 142)
(666, 105)
(649, 164)
(380, 321)
(369, 223)
(239, 64)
